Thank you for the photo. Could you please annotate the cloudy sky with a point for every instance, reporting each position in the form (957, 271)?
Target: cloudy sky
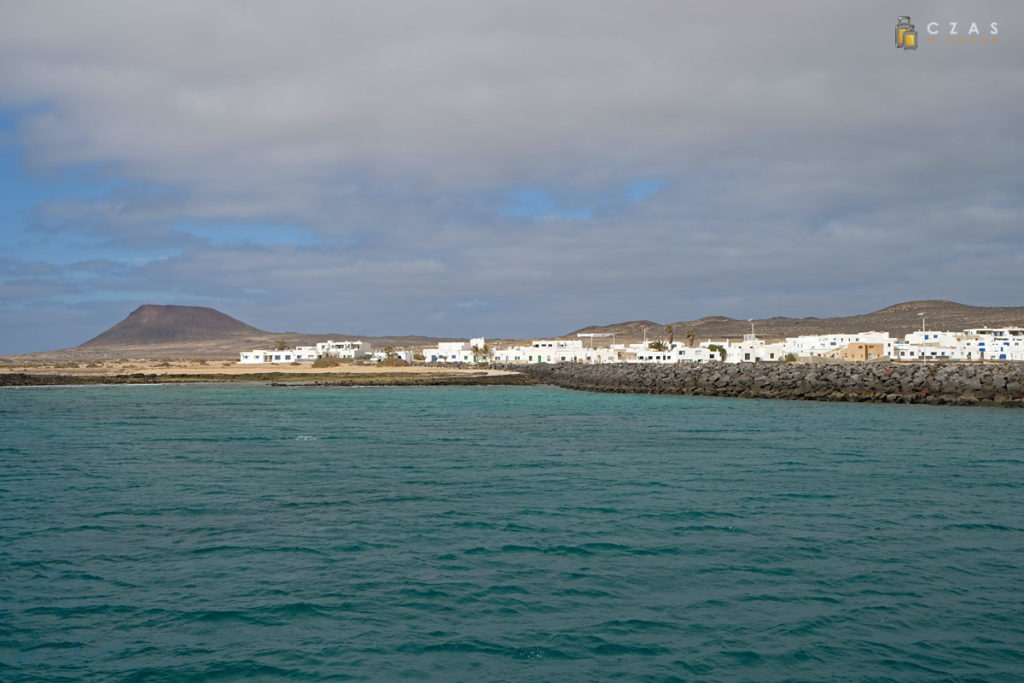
(501, 168)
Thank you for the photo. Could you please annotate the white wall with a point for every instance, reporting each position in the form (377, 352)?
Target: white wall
(344, 349)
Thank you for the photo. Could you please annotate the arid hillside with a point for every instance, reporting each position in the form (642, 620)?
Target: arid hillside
(196, 332)
(898, 320)
(151, 324)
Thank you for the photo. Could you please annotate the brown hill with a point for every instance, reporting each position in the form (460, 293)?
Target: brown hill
(151, 324)
(190, 332)
(169, 332)
(897, 320)
(632, 329)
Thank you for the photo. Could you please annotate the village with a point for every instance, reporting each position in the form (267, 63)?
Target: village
(980, 344)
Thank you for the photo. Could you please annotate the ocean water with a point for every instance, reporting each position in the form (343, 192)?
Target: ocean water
(245, 532)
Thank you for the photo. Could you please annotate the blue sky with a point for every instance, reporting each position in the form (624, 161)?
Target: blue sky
(505, 169)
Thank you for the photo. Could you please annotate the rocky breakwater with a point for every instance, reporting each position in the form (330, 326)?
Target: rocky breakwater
(993, 384)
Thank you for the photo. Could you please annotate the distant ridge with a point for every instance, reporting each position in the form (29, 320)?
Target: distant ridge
(897, 320)
(153, 331)
(169, 332)
(152, 324)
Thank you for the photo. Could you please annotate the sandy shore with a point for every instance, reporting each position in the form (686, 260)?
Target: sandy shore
(151, 372)
(225, 368)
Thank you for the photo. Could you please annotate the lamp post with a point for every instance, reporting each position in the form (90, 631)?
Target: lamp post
(923, 318)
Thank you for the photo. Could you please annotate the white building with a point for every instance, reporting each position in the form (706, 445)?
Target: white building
(511, 354)
(306, 353)
(566, 351)
(344, 349)
(696, 354)
(379, 356)
(832, 345)
(750, 349)
(994, 344)
(264, 356)
(753, 350)
(906, 352)
(969, 345)
(928, 345)
(555, 351)
(933, 338)
(674, 353)
(974, 344)
(473, 351)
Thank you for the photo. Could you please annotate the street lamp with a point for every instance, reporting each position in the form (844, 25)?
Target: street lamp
(923, 318)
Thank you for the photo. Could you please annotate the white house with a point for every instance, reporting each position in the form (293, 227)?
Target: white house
(566, 351)
(379, 356)
(643, 353)
(263, 356)
(510, 354)
(994, 344)
(753, 350)
(344, 349)
(832, 345)
(306, 353)
(933, 338)
(555, 351)
(928, 345)
(970, 345)
(697, 354)
(674, 353)
(302, 354)
(457, 352)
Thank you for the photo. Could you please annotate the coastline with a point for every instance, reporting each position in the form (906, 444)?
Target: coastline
(959, 384)
(463, 378)
(160, 371)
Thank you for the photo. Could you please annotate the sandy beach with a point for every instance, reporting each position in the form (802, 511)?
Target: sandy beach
(227, 368)
(152, 371)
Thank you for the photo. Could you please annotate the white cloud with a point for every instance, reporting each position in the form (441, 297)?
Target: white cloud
(797, 152)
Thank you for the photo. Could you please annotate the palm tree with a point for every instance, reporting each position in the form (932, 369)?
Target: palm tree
(670, 335)
(690, 336)
(657, 346)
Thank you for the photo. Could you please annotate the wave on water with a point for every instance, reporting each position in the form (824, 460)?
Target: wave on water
(457, 533)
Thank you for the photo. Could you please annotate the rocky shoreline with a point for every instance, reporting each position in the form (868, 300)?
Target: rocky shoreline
(280, 379)
(961, 384)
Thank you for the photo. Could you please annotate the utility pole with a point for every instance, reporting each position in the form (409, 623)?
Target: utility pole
(591, 335)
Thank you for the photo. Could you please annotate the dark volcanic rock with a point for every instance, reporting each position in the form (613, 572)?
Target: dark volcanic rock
(152, 324)
(934, 384)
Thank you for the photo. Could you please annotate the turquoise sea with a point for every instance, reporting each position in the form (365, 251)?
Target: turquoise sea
(246, 532)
